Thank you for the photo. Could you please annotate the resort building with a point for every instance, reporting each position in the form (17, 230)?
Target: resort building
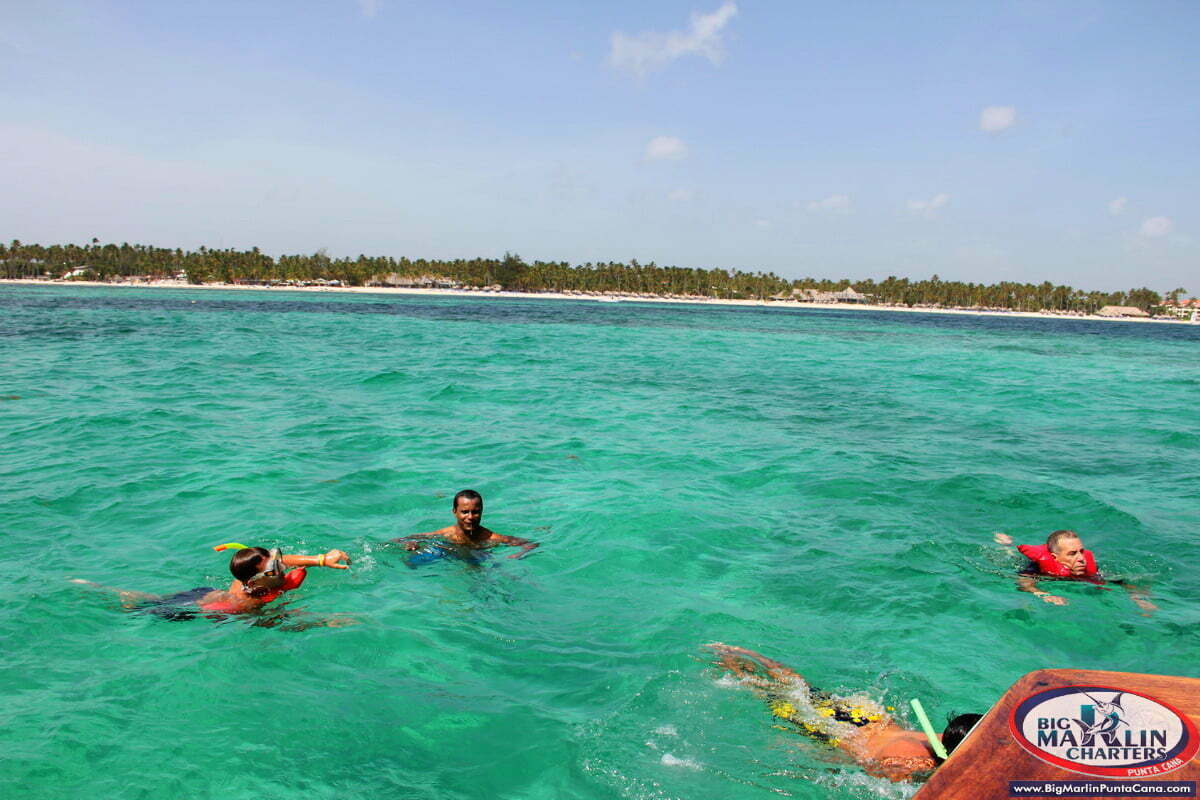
(1182, 309)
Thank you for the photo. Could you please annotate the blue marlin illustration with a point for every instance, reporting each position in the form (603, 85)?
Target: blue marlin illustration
(1107, 716)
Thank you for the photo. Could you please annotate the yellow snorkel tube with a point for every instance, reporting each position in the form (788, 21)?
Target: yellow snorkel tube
(230, 546)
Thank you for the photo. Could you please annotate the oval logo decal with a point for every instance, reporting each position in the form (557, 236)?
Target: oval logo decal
(1104, 731)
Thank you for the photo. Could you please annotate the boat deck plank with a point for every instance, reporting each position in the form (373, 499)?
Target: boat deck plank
(981, 767)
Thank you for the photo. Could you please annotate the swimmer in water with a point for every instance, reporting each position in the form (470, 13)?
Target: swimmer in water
(259, 577)
(859, 727)
(1065, 558)
(467, 531)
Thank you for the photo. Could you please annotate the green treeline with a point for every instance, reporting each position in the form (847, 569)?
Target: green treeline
(104, 262)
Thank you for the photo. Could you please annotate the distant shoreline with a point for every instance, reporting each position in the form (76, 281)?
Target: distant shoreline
(783, 305)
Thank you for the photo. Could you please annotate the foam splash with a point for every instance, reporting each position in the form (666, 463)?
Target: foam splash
(799, 709)
(860, 784)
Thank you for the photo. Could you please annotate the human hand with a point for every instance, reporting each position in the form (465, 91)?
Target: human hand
(1002, 538)
(332, 558)
(1145, 605)
(1053, 599)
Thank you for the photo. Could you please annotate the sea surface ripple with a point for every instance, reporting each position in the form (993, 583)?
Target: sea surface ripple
(821, 486)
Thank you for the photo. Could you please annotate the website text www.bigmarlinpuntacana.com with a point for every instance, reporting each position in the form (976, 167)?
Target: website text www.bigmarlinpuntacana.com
(1101, 788)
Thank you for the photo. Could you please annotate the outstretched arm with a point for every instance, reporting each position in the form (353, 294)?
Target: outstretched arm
(301, 621)
(1028, 583)
(1140, 598)
(775, 669)
(330, 559)
(516, 541)
(411, 542)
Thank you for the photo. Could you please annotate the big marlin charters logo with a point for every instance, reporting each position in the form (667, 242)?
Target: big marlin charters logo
(1099, 730)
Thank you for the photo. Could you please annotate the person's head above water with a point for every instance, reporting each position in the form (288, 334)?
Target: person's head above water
(466, 494)
(1067, 549)
(468, 509)
(957, 729)
(260, 570)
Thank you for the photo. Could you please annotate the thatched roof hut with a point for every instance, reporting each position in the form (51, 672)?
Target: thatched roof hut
(1121, 311)
(848, 295)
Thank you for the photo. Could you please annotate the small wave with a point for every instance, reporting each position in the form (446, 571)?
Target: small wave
(378, 476)
(1183, 439)
(448, 391)
(669, 760)
(384, 379)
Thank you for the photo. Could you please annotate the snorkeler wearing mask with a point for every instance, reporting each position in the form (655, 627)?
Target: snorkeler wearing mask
(260, 576)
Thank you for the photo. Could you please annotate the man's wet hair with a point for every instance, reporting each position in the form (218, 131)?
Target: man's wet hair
(466, 494)
(1053, 539)
(957, 729)
(244, 564)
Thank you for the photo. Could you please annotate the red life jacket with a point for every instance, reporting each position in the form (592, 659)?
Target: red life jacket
(290, 581)
(1047, 564)
(296, 577)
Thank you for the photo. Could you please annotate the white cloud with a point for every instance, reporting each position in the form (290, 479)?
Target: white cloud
(646, 52)
(665, 147)
(1157, 227)
(1117, 206)
(928, 208)
(369, 8)
(681, 196)
(835, 203)
(994, 119)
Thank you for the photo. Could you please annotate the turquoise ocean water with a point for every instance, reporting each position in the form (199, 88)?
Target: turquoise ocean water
(821, 486)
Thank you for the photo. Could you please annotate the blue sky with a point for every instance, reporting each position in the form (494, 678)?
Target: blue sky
(980, 141)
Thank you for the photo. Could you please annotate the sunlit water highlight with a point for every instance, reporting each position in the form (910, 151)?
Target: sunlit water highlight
(821, 486)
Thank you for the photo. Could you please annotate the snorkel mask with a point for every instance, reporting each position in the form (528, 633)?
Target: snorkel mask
(270, 578)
